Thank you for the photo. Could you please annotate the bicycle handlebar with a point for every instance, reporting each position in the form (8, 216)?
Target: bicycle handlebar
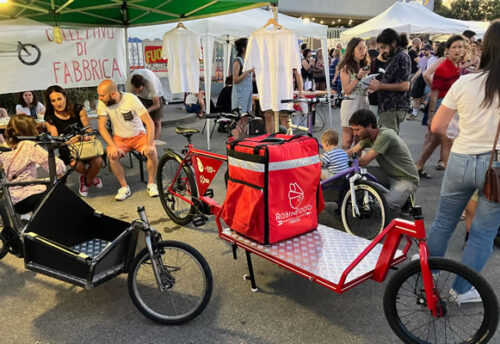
(319, 99)
(47, 139)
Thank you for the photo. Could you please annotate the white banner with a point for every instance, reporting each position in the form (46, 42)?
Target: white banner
(84, 58)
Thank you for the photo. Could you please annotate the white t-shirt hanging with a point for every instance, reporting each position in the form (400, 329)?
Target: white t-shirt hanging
(274, 54)
(182, 49)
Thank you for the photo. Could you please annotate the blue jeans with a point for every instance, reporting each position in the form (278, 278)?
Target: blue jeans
(464, 174)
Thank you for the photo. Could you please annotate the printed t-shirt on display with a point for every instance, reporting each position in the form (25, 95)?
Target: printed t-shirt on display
(182, 49)
(274, 54)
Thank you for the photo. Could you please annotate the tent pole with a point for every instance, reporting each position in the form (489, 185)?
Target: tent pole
(324, 49)
(127, 58)
(274, 9)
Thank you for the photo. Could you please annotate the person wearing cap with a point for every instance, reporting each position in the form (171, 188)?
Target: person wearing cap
(420, 90)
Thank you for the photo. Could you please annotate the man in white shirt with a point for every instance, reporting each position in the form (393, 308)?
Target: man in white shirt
(147, 86)
(133, 129)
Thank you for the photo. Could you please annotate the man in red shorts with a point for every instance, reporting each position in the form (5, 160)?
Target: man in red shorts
(133, 129)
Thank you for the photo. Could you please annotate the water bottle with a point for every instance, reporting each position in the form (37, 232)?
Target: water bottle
(452, 131)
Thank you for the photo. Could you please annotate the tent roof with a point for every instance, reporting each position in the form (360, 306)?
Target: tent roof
(240, 24)
(406, 17)
(120, 12)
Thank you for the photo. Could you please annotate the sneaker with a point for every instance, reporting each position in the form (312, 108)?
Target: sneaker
(83, 190)
(123, 193)
(97, 182)
(152, 190)
(468, 297)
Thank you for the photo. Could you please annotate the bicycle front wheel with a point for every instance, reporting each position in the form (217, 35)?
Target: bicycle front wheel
(180, 210)
(184, 274)
(405, 305)
(372, 217)
(29, 54)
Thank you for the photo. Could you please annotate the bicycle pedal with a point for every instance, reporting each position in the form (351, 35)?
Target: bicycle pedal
(209, 193)
(199, 221)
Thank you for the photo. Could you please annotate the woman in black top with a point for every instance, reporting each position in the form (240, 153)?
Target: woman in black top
(307, 69)
(60, 114)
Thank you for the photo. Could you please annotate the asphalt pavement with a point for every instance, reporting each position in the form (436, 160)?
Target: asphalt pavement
(286, 309)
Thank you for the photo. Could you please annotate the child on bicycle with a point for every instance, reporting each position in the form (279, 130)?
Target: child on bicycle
(334, 159)
(21, 162)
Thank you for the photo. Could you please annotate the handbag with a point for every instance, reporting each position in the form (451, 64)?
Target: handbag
(85, 150)
(492, 179)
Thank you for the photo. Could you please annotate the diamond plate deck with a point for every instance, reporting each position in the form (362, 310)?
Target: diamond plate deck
(324, 252)
(92, 247)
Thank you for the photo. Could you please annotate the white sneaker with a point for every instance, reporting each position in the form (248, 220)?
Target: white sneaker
(123, 193)
(152, 190)
(468, 297)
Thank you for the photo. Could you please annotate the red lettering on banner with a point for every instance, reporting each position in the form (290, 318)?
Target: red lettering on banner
(76, 69)
(64, 35)
(93, 65)
(86, 71)
(49, 37)
(55, 66)
(67, 74)
(111, 33)
(104, 69)
(116, 68)
(78, 35)
(70, 35)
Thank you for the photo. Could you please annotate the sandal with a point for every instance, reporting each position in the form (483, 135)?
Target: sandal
(440, 166)
(423, 174)
(200, 115)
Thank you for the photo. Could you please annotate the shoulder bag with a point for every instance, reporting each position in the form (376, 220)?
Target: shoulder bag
(85, 150)
(492, 180)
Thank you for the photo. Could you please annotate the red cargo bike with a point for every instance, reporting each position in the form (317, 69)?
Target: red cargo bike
(420, 302)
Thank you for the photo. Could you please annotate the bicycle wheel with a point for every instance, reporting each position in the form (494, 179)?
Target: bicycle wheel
(179, 210)
(29, 54)
(372, 208)
(184, 273)
(405, 306)
(320, 122)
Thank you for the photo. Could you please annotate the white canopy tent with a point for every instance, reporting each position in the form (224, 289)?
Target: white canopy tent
(479, 27)
(411, 18)
(228, 28)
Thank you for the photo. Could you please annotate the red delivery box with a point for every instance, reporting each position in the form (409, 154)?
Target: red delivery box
(273, 191)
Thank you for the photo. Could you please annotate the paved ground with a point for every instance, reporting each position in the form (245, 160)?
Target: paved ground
(287, 308)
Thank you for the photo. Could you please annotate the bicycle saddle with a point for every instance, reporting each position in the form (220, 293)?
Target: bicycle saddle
(186, 131)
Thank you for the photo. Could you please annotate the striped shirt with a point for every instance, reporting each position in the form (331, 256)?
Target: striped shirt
(336, 160)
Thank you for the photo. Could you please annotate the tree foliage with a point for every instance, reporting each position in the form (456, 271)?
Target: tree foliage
(469, 9)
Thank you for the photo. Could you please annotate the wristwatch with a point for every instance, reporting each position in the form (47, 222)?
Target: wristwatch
(357, 77)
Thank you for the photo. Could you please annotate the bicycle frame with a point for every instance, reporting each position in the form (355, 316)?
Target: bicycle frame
(205, 166)
(391, 237)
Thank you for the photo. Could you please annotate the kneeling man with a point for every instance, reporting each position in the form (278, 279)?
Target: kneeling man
(133, 129)
(391, 153)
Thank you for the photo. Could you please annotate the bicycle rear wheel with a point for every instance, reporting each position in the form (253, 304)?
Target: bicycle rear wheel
(181, 211)
(405, 306)
(183, 272)
(372, 207)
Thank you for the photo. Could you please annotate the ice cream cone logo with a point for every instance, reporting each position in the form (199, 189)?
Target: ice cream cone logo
(295, 195)
(200, 165)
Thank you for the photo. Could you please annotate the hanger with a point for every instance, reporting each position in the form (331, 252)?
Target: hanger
(180, 25)
(273, 22)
